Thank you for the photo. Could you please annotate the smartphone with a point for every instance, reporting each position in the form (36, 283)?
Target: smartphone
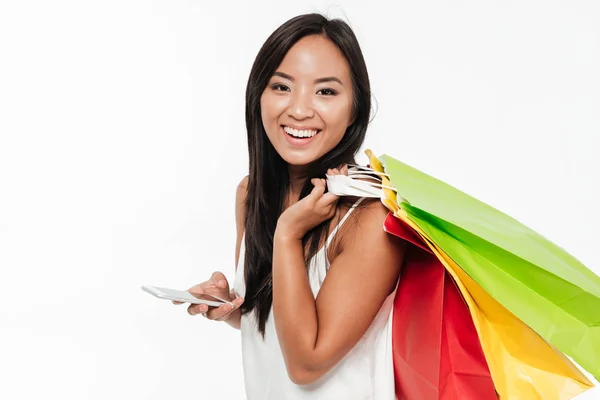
(184, 296)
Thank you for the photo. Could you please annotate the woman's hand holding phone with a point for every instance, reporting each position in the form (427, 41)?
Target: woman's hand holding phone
(217, 286)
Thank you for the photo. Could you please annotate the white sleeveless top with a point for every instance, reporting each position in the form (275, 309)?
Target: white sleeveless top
(366, 372)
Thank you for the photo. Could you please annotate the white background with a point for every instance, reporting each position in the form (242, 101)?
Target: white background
(123, 139)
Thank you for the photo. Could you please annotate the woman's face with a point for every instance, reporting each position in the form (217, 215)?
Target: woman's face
(307, 104)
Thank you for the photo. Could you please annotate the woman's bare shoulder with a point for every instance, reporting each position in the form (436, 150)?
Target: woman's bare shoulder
(240, 199)
(368, 219)
(369, 209)
(243, 185)
(240, 215)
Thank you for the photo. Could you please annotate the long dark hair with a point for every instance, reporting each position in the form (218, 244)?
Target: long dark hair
(268, 181)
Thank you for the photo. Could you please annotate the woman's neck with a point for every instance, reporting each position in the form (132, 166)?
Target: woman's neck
(297, 177)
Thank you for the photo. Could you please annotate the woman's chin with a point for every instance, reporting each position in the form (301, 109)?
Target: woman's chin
(298, 159)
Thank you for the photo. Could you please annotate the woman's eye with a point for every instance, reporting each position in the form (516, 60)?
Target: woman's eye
(327, 92)
(280, 88)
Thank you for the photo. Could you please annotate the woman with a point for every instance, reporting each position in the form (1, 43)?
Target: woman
(312, 294)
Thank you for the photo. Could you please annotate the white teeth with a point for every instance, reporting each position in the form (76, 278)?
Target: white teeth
(300, 133)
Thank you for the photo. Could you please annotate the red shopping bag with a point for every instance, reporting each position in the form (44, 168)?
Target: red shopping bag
(436, 349)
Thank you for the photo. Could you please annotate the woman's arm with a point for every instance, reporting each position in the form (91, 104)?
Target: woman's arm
(316, 334)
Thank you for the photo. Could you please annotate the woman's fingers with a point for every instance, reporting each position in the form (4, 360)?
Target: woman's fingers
(323, 199)
(218, 278)
(195, 290)
(329, 199)
(343, 170)
(195, 309)
(218, 287)
(215, 313)
(319, 186)
(221, 313)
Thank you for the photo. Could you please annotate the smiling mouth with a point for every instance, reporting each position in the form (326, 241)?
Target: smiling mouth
(300, 133)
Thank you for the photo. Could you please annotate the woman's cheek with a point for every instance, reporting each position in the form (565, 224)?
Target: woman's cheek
(336, 115)
(269, 110)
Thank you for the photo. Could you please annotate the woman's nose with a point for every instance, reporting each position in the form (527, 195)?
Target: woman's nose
(301, 106)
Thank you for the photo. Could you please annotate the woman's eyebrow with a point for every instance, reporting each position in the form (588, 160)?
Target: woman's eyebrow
(329, 79)
(319, 80)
